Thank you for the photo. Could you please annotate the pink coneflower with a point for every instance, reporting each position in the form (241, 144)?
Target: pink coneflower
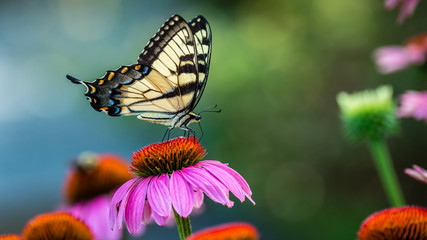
(228, 231)
(417, 173)
(407, 7)
(408, 223)
(56, 226)
(394, 58)
(172, 179)
(88, 190)
(413, 104)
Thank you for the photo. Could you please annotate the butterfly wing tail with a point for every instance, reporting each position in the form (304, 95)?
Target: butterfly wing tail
(73, 79)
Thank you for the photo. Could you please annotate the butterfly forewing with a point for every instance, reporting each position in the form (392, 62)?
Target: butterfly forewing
(203, 37)
(172, 52)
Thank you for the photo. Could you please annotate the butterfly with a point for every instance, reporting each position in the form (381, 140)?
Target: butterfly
(167, 82)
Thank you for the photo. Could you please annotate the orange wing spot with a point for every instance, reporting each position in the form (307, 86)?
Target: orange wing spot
(137, 67)
(94, 100)
(105, 109)
(92, 89)
(125, 69)
(111, 75)
(101, 81)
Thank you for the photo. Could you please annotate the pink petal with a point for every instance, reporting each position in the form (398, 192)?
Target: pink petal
(198, 198)
(390, 4)
(417, 173)
(182, 194)
(413, 104)
(159, 196)
(146, 215)
(135, 206)
(407, 9)
(227, 179)
(160, 220)
(391, 59)
(198, 177)
(94, 213)
(235, 174)
(118, 204)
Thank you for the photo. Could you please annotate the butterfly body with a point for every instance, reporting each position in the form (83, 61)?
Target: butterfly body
(167, 82)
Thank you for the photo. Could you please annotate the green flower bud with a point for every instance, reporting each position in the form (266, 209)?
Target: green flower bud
(369, 114)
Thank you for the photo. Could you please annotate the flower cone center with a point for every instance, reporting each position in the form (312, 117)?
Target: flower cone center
(166, 157)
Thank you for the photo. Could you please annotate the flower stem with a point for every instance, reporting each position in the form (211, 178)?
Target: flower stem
(387, 174)
(183, 225)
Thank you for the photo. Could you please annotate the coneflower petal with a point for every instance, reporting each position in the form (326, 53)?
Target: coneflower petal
(118, 203)
(159, 197)
(200, 178)
(242, 182)
(182, 194)
(160, 220)
(227, 179)
(135, 206)
(198, 197)
(146, 215)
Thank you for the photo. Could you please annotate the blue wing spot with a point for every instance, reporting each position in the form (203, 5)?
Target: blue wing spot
(128, 82)
(145, 70)
(112, 102)
(114, 111)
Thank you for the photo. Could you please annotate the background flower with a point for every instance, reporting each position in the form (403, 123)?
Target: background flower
(407, 223)
(390, 59)
(56, 226)
(407, 8)
(418, 173)
(413, 104)
(228, 231)
(88, 188)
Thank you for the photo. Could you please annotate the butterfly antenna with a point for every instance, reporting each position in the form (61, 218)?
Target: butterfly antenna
(73, 79)
(209, 109)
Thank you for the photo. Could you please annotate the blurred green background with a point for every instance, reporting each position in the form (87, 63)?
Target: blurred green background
(276, 69)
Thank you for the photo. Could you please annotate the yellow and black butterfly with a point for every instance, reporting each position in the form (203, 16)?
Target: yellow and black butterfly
(167, 82)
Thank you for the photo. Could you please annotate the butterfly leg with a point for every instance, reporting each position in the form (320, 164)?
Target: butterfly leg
(167, 134)
(188, 132)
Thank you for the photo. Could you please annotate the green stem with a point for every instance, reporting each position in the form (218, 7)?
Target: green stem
(183, 225)
(386, 172)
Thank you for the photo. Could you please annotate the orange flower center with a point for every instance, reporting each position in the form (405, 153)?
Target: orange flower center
(56, 226)
(167, 156)
(100, 176)
(231, 231)
(409, 223)
(10, 237)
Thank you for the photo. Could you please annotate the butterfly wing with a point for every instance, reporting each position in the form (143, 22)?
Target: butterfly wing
(203, 37)
(162, 85)
(172, 52)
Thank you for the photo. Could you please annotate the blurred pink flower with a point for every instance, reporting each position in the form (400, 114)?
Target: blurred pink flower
(172, 177)
(394, 58)
(407, 7)
(88, 189)
(413, 104)
(417, 173)
(94, 212)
